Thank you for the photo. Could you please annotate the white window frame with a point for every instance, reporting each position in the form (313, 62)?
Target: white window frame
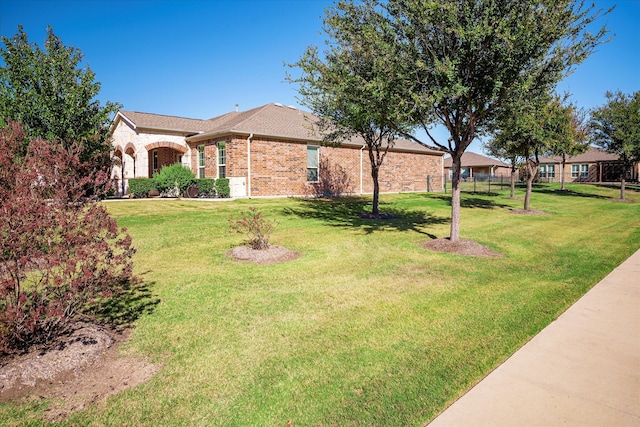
(575, 170)
(311, 166)
(551, 171)
(543, 171)
(201, 161)
(222, 159)
(584, 171)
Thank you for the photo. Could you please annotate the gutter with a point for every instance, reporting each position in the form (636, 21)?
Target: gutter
(361, 151)
(249, 165)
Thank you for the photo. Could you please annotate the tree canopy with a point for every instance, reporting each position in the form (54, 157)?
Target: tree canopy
(459, 64)
(52, 97)
(347, 85)
(616, 128)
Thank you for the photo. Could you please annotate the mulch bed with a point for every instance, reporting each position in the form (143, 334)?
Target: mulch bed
(461, 247)
(273, 254)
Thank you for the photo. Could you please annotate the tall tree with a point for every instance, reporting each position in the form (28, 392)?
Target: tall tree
(572, 137)
(457, 63)
(501, 149)
(616, 128)
(347, 85)
(521, 130)
(53, 98)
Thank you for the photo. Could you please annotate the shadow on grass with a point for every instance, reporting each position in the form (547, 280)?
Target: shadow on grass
(129, 305)
(558, 192)
(467, 201)
(348, 211)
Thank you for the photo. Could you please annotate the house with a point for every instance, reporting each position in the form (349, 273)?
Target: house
(272, 150)
(594, 165)
(476, 165)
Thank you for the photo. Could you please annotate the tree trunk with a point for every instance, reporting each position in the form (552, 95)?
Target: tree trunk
(376, 192)
(531, 172)
(513, 180)
(622, 185)
(455, 197)
(564, 161)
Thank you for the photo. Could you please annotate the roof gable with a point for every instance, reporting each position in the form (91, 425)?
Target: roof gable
(270, 120)
(470, 159)
(592, 155)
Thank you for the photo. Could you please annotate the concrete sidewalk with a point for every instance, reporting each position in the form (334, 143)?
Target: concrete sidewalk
(581, 370)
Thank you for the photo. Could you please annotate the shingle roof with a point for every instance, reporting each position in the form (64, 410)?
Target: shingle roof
(273, 120)
(592, 155)
(161, 122)
(470, 159)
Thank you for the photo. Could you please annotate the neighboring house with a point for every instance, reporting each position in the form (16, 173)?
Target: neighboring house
(271, 150)
(476, 165)
(594, 165)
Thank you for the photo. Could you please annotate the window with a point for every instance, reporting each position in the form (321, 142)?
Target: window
(584, 171)
(222, 159)
(581, 171)
(200, 161)
(312, 163)
(543, 171)
(155, 161)
(551, 171)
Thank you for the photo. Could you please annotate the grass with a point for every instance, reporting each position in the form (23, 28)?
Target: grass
(365, 328)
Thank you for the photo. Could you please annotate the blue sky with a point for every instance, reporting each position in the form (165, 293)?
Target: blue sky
(199, 58)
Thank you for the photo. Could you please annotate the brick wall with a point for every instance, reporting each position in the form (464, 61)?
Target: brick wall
(279, 168)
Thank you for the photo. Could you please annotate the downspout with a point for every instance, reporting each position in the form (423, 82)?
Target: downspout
(249, 165)
(361, 150)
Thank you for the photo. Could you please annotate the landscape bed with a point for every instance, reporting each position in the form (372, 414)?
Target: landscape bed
(365, 326)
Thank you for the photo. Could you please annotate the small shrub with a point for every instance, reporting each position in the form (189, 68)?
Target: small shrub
(255, 227)
(173, 181)
(141, 187)
(206, 187)
(222, 187)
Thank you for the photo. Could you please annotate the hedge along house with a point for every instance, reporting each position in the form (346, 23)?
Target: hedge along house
(272, 150)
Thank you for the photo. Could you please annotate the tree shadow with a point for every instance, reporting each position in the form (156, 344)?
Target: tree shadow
(558, 192)
(348, 212)
(472, 202)
(129, 305)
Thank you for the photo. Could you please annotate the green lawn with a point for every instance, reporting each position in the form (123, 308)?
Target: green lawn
(366, 327)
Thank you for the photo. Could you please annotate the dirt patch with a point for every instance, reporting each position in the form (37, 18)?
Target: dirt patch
(527, 212)
(625, 200)
(273, 254)
(461, 247)
(77, 370)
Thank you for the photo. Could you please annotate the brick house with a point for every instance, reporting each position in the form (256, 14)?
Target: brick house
(476, 165)
(594, 165)
(270, 150)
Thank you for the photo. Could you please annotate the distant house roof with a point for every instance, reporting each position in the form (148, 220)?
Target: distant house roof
(470, 160)
(270, 120)
(592, 155)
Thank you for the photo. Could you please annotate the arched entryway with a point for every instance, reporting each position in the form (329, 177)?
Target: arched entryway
(123, 168)
(163, 154)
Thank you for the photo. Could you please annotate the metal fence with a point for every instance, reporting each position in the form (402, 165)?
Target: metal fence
(480, 183)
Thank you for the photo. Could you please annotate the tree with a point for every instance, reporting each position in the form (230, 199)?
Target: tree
(62, 258)
(458, 63)
(348, 89)
(52, 97)
(616, 128)
(530, 129)
(572, 137)
(502, 150)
